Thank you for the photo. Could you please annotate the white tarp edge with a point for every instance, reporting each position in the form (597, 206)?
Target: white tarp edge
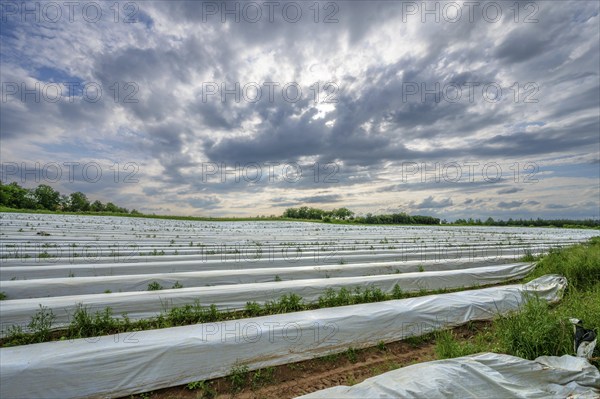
(46, 287)
(145, 304)
(485, 375)
(119, 365)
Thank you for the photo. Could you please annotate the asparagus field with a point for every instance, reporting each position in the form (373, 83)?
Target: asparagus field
(255, 293)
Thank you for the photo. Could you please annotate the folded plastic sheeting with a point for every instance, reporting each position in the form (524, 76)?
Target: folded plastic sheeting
(485, 375)
(119, 365)
(19, 289)
(139, 305)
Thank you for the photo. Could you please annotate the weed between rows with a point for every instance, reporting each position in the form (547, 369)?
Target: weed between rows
(203, 388)
(85, 324)
(239, 378)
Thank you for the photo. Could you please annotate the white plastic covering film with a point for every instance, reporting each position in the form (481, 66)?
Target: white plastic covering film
(73, 240)
(248, 261)
(146, 304)
(485, 375)
(101, 229)
(119, 365)
(19, 289)
(273, 255)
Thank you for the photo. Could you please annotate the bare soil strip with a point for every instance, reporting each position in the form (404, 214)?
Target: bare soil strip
(291, 380)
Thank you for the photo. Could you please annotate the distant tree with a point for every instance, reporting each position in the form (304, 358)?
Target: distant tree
(47, 197)
(79, 202)
(65, 202)
(4, 194)
(110, 207)
(14, 196)
(290, 213)
(314, 213)
(343, 213)
(97, 206)
(303, 212)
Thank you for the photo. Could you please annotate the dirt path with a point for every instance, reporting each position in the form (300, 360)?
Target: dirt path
(291, 380)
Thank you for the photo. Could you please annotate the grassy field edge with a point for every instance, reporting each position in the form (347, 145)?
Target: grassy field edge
(540, 329)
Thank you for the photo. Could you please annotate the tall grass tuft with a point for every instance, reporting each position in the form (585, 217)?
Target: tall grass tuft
(533, 331)
(580, 264)
(448, 346)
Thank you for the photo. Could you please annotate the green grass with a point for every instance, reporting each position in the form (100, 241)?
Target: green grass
(238, 377)
(580, 264)
(154, 286)
(538, 328)
(533, 331)
(40, 326)
(351, 354)
(263, 377)
(344, 297)
(203, 389)
(528, 257)
(448, 346)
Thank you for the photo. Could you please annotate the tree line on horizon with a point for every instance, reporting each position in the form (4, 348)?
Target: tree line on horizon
(44, 197)
(341, 214)
(344, 214)
(539, 222)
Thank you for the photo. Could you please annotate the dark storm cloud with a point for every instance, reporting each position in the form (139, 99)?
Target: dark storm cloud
(210, 202)
(556, 206)
(545, 141)
(317, 199)
(280, 201)
(520, 46)
(510, 190)
(516, 204)
(509, 205)
(430, 183)
(430, 203)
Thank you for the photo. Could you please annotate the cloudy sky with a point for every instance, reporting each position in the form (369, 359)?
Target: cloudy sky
(247, 108)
